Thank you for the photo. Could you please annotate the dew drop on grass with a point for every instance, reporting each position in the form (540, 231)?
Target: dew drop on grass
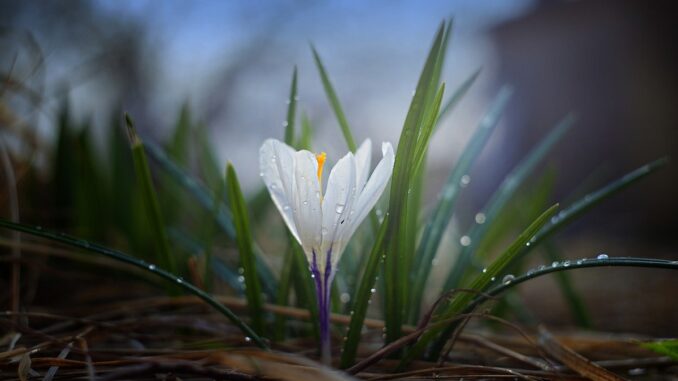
(480, 218)
(241, 270)
(151, 267)
(484, 270)
(555, 264)
(579, 261)
(566, 263)
(493, 279)
(373, 290)
(465, 240)
(602, 256)
(241, 279)
(345, 297)
(248, 339)
(465, 180)
(284, 123)
(508, 279)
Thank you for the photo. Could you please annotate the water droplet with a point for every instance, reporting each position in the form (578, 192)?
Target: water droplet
(530, 272)
(273, 159)
(317, 194)
(340, 208)
(602, 256)
(527, 244)
(373, 290)
(351, 313)
(541, 268)
(274, 187)
(465, 240)
(286, 207)
(261, 174)
(508, 279)
(241, 279)
(151, 267)
(566, 263)
(312, 275)
(493, 279)
(241, 270)
(305, 202)
(284, 123)
(579, 261)
(345, 297)
(465, 180)
(180, 281)
(555, 264)
(248, 339)
(636, 372)
(484, 270)
(323, 230)
(480, 218)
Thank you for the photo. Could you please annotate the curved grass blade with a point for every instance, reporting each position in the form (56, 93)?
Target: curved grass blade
(244, 241)
(206, 201)
(291, 110)
(501, 196)
(362, 297)
(601, 261)
(438, 221)
(398, 235)
(592, 199)
(152, 269)
(163, 255)
(480, 283)
(334, 102)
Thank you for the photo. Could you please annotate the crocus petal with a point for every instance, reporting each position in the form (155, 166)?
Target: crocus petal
(338, 206)
(375, 185)
(276, 163)
(363, 159)
(306, 201)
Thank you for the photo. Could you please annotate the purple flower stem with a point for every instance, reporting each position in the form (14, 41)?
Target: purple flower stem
(322, 288)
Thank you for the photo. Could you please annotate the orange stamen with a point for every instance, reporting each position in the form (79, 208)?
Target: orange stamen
(321, 163)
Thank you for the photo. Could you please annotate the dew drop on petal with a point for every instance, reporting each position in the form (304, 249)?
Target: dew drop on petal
(305, 202)
(340, 208)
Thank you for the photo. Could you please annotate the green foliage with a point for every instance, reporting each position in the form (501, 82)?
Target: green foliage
(665, 347)
(247, 258)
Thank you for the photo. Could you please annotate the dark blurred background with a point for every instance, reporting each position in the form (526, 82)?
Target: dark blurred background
(612, 62)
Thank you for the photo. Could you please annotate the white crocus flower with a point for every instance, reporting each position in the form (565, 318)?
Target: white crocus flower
(323, 222)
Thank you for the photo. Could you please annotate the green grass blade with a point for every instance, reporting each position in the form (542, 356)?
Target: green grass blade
(665, 347)
(304, 141)
(163, 255)
(501, 196)
(291, 110)
(571, 266)
(442, 214)
(361, 298)
(398, 234)
(592, 199)
(458, 95)
(284, 287)
(206, 201)
(334, 102)
(179, 145)
(152, 269)
(573, 299)
(244, 241)
(480, 283)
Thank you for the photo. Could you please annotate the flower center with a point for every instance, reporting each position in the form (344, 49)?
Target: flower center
(321, 163)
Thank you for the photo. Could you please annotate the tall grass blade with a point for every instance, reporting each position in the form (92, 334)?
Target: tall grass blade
(206, 201)
(480, 283)
(152, 269)
(291, 110)
(244, 241)
(334, 102)
(442, 212)
(398, 236)
(361, 298)
(163, 254)
(501, 196)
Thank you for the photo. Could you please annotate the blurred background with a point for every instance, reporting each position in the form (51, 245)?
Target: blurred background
(230, 63)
